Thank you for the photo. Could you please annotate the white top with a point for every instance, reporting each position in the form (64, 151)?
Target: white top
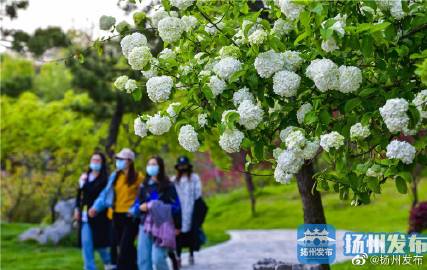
(189, 190)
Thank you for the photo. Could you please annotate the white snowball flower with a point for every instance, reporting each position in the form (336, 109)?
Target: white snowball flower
(170, 29)
(310, 150)
(159, 88)
(181, 4)
(331, 140)
(286, 83)
(230, 140)
(401, 150)
(289, 8)
(171, 109)
(139, 57)
(250, 114)
(281, 177)
(241, 95)
(202, 119)
(158, 125)
(329, 45)
(375, 171)
(189, 22)
(295, 139)
(292, 60)
(340, 23)
(285, 132)
(153, 71)
(226, 67)
(187, 138)
(129, 42)
(160, 14)
(359, 131)
(120, 82)
(290, 161)
(276, 152)
(420, 101)
(350, 79)
(216, 85)
(394, 114)
(106, 22)
(324, 73)
(302, 111)
(140, 127)
(268, 63)
(394, 6)
(212, 29)
(281, 27)
(130, 86)
(167, 54)
(258, 37)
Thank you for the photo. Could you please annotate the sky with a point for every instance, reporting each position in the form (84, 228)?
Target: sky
(68, 14)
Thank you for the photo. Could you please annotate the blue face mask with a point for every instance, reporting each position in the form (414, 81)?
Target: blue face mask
(152, 170)
(95, 166)
(120, 164)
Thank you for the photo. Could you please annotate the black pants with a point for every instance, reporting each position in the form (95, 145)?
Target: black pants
(185, 240)
(123, 250)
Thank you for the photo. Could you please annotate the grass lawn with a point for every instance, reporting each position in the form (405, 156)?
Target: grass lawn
(278, 206)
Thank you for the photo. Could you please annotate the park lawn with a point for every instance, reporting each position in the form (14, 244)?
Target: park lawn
(278, 206)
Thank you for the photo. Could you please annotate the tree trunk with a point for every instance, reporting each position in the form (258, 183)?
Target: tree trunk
(249, 183)
(311, 200)
(114, 128)
(414, 185)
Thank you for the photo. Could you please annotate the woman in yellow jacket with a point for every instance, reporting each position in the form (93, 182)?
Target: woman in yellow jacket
(119, 194)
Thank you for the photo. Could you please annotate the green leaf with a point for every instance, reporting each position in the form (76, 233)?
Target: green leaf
(352, 104)
(407, 176)
(325, 117)
(367, 46)
(401, 185)
(310, 118)
(137, 95)
(301, 37)
(414, 116)
(367, 91)
(258, 150)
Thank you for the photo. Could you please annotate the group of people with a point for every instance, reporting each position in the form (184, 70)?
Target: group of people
(163, 214)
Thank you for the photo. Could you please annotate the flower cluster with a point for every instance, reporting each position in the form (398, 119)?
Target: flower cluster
(242, 95)
(359, 131)
(403, 151)
(295, 139)
(331, 140)
(139, 57)
(302, 111)
(202, 119)
(159, 88)
(292, 60)
(120, 82)
(171, 109)
(160, 14)
(187, 138)
(375, 171)
(140, 127)
(289, 8)
(286, 83)
(129, 42)
(258, 37)
(394, 114)
(230, 140)
(327, 76)
(130, 86)
(281, 27)
(158, 124)
(189, 22)
(226, 67)
(394, 6)
(250, 114)
(216, 85)
(170, 29)
(268, 63)
(182, 4)
(106, 22)
(420, 101)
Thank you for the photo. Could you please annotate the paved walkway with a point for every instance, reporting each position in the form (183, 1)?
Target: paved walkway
(246, 247)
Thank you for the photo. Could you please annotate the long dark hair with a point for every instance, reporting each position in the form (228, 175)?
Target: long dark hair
(103, 173)
(131, 176)
(162, 179)
(180, 173)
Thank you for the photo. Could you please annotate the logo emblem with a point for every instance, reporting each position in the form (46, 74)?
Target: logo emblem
(316, 244)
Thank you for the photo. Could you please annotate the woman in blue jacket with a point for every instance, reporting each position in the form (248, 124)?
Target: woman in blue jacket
(155, 187)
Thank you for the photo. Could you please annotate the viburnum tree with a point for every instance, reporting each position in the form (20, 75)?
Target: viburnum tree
(288, 81)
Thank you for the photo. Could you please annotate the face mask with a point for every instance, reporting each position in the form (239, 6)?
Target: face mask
(95, 166)
(152, 170)
(120, 164)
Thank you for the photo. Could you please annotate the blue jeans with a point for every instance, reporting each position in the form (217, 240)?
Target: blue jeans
(150, 254)
(88, 249)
